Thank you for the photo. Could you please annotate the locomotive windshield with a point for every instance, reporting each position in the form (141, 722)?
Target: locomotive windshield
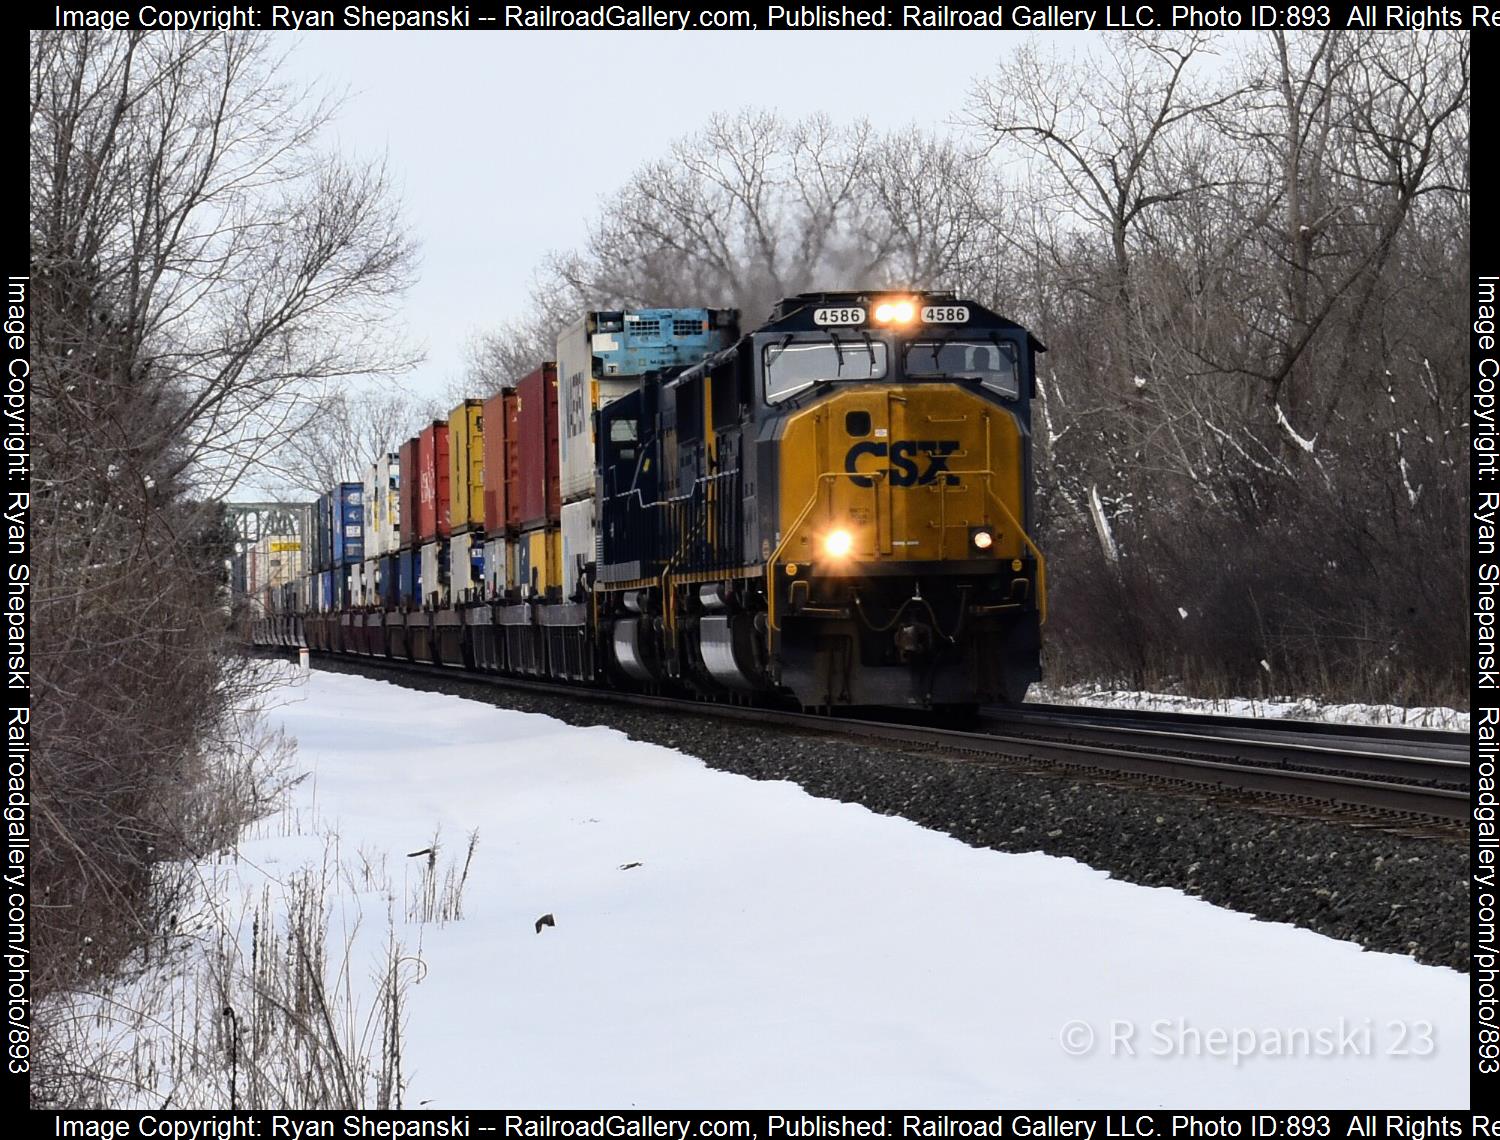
(992, 363)
(791, 367)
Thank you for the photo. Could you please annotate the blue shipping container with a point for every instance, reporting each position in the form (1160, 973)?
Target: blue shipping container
(630, 343)
(388, 592)
(322, 540)
(349, 525)
(325, 590)
(409, 576)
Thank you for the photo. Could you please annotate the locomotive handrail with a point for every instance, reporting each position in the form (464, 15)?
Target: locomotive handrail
(1041, 562)
(775, 558)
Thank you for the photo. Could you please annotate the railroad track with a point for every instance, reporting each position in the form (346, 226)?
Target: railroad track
(1394, 773)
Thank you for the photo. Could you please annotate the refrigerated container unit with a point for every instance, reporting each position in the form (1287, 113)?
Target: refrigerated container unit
(536, 485)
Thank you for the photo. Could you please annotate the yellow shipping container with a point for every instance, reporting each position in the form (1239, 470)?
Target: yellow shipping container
(538, 562)
(466, 466)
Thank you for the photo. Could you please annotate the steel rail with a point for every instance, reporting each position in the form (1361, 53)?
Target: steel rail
(1283, 746)
(1409, 785)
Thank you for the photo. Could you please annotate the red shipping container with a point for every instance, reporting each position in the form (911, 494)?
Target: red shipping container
(500, 506)
(536, 437)
(406, 494)
(513, 459)
(432, 482)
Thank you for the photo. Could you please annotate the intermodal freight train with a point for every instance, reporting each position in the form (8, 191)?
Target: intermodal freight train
(833, 509)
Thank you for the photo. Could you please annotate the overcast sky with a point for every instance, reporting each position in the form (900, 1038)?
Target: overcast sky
(505, 143)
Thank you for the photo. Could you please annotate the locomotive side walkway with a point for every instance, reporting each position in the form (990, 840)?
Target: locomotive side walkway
(723, 942)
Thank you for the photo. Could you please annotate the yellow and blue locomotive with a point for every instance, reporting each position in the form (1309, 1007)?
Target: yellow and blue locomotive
(836, 508)
(833, 509)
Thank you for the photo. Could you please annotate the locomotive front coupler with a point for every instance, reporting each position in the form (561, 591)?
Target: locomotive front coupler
(915, 641)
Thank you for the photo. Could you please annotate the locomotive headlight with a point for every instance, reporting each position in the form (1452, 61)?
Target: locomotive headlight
(837, 543)
(982, 539)
(895, 312)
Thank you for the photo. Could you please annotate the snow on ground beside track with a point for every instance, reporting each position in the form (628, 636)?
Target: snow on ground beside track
(1278, 708)
(720, 942)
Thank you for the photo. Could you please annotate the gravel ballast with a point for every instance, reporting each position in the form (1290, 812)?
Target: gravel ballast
(1384, 891)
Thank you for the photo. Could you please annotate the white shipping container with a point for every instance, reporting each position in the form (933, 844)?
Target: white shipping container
(381, 511)
(372, 582)
(579, 395)
(371, 499)
(499, 566)
(463, 582)
(434, 589)
(356, 588)
(388, 508)
(578, 543)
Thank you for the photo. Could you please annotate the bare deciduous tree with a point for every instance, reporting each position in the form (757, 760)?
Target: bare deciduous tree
(346, 432)
(1099, 137)
(200, 270)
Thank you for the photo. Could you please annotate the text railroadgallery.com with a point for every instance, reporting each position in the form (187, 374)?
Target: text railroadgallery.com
(766, 1125)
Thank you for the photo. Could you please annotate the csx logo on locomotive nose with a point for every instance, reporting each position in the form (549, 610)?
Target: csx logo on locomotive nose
(904, 470)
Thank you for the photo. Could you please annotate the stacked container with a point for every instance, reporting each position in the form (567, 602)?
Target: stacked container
(379, 490)
(369, 569)
(599, 359)
(433, 523)
(408, 547)
(538, 554)
(322, 553)
(383, 539)
(348, 528)
(275, 561)
(466, 509)
(502, 505)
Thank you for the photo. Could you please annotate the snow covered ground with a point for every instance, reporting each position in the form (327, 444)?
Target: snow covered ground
(1304, 708)
(719, 942)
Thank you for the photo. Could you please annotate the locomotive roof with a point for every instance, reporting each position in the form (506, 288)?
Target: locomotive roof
(795, 314)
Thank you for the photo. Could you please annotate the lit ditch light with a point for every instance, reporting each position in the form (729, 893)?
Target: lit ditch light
(838, 543)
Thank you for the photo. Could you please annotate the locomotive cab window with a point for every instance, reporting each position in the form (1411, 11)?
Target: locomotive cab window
(991, 362)
(792, 367)
(622, 437)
